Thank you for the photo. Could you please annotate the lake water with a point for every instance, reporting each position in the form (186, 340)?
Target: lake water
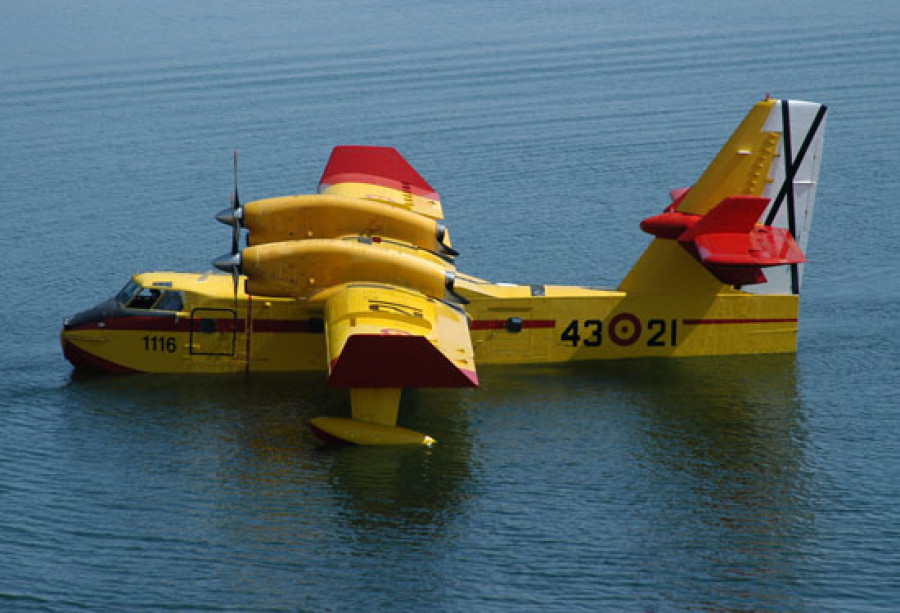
(551, 130)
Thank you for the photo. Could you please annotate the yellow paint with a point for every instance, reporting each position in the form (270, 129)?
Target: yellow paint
(303, 268)
(307, 350)
(378, 309)
(741, 166)
(375, 405)
(364, 433)
(326, 216)
(386, 195)
(310, 295)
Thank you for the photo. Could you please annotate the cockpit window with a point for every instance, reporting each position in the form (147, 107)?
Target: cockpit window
(145, 298)
(127, 293)
(170, 301)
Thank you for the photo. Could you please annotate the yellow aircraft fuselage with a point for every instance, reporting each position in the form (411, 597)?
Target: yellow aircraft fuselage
(211, 332)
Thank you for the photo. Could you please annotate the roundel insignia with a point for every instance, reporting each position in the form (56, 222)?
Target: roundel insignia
(624, 329)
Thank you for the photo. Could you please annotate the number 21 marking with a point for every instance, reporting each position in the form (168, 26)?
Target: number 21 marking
(658, 339)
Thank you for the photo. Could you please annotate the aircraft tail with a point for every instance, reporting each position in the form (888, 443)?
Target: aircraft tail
(750, 210)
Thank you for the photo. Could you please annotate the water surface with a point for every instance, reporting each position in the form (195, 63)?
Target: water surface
(752, 483)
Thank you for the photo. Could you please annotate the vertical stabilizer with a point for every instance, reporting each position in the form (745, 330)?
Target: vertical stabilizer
(770, 164)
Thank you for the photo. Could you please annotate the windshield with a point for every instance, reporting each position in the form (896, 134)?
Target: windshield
(127, 293)
(144, 299)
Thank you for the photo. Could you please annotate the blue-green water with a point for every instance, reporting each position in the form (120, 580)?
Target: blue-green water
(551, 130)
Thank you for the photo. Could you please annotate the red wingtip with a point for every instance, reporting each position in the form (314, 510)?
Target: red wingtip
(382, 166)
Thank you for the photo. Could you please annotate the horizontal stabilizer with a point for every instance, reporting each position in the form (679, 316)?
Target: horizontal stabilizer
(733, 215)
(763, 246)
(729, 236)
(728, 240)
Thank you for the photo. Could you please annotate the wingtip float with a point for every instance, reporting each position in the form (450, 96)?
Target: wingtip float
(359, 281)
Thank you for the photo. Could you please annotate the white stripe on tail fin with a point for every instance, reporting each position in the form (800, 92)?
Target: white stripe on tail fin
(800, 153)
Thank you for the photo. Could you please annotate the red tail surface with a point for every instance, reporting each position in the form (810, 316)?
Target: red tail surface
(728, 239)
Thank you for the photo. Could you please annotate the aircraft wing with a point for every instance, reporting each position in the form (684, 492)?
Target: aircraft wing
(379, 174)
(384, 336)
(369, 250)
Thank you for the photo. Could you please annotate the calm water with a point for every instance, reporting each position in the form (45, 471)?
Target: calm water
(550, 129)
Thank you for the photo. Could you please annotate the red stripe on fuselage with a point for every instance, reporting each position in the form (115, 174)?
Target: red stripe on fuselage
(285, 325)
(169, 324)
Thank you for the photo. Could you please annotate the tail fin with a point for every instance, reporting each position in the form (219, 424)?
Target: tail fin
(765, 174)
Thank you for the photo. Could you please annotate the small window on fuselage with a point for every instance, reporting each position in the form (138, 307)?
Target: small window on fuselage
(145, 299)
(170, 301)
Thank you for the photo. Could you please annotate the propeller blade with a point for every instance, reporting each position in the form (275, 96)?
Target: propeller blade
(235, 207)
(235, 230)
(234, 215)
(236, 203)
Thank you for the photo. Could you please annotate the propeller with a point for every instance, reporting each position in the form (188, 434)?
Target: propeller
(234, 217)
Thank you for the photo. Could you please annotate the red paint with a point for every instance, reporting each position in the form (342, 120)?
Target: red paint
(763, 246)
(374, 360)
(728, 240)
(500, 324)
(169, 324)
(326, 437)
(670, 224)
(614, 333)
(162, 324)
(382, 166)
(166, 324)
(733, 215)
(85, 360)
(283, 325)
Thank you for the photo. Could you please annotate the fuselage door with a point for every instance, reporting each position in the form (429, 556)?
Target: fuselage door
(213, 331)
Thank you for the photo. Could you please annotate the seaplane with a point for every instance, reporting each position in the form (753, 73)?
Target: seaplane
(359, 281)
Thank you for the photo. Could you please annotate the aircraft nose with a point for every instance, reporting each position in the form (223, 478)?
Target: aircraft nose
(105, 310)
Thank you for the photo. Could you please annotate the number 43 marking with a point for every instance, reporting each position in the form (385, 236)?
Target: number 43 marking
(592, 326)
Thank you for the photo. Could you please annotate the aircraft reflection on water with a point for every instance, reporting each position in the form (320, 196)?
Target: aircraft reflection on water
(360, 281)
